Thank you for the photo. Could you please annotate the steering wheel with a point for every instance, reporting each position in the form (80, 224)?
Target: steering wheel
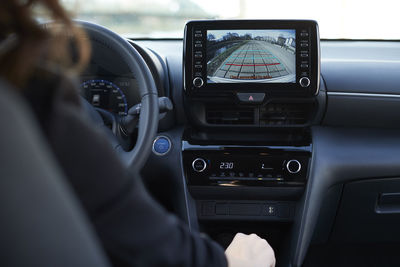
(148, 118)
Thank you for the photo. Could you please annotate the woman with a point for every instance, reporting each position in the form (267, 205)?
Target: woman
(133, 228)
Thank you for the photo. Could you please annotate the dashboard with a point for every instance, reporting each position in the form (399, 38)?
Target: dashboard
(305, 167)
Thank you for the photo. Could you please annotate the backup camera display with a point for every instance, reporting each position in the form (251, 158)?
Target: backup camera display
(237, 56)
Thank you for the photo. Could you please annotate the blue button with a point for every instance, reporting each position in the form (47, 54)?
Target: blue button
(161, 145)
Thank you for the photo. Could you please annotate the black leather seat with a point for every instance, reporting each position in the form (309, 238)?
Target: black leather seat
(41, 222)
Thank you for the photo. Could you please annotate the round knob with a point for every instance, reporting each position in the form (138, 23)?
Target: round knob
(198, 82)
(199, 165)
(293, 166)
(304, 82)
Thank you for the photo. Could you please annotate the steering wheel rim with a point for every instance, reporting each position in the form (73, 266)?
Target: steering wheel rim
(148, 118)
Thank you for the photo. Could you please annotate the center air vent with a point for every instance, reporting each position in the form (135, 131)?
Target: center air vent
(230, 115)
(285, 114)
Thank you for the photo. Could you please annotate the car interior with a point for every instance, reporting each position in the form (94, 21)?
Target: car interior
(253, 126)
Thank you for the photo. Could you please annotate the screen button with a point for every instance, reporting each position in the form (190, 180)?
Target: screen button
(251, 97)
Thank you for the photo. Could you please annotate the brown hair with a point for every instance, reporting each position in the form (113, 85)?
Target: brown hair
(25, 43)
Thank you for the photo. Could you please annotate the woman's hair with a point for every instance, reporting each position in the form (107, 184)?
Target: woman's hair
(26, 44)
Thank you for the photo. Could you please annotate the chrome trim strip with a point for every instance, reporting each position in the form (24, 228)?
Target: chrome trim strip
(359, 60)
(364, 94)
(319, 60)
(186, 146)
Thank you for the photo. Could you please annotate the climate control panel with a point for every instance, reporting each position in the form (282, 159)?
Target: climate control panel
(242, 165)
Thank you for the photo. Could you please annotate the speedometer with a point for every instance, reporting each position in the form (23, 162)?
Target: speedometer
(105, 95)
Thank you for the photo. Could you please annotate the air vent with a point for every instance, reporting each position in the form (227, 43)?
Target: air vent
(230, 115)
(285, 114)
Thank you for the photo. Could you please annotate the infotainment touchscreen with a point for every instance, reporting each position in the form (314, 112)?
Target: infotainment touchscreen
(262, 56)
(235, 57)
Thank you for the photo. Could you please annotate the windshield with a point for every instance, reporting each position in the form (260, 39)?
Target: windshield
(337, 19)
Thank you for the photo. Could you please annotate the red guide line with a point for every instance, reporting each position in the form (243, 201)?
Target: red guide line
(252, 65)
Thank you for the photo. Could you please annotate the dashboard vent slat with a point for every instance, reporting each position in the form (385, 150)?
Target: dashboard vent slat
(285, 114)
(229, 116)
(272, 114)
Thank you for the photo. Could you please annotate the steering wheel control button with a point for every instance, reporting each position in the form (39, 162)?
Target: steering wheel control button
(304, 82)
(255, 98)
(199, 165)
(161, 145)
(198, 82)
(293, 166)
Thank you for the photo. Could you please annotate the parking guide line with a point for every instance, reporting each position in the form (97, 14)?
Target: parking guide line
(251, 62)
(252, 65)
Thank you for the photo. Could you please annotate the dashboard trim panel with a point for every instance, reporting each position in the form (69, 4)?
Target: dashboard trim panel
(363, 94)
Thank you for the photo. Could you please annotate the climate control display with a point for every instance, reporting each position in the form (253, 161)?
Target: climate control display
(247, 167)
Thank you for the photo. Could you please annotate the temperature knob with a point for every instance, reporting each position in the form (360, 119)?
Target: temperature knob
(199, 165)
(293, 166)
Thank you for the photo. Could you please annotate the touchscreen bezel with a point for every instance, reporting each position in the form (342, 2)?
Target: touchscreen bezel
(242, 86)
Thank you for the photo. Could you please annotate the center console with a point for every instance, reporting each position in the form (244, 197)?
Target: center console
(247, 77)
(251, 93)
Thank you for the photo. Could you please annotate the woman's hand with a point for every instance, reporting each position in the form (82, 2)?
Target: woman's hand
(250, 250)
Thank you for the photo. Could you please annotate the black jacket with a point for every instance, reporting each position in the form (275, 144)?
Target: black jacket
(133, 228)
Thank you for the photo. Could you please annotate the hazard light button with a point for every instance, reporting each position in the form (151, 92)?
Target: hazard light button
(255, 98)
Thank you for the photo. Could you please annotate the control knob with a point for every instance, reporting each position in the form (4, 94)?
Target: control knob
(293, 166)
(198, 82)
(304, 82)
(199, 165)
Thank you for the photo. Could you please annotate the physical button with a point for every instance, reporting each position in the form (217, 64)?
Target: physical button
(304, 82)
(251, 97)
(293, 166)
(270, 210)
(199, 165)
(161, 145)
(198, 82)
